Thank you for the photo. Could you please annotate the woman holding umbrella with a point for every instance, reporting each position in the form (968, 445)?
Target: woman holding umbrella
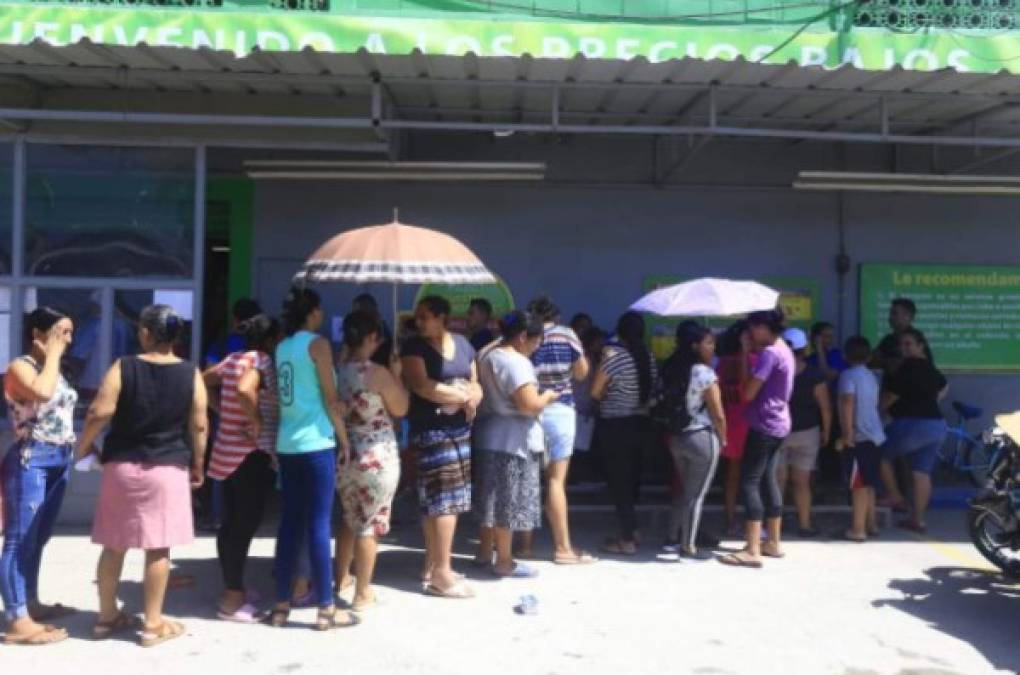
(439, 370)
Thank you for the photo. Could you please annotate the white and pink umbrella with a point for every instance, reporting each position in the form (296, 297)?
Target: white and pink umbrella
(708, 297)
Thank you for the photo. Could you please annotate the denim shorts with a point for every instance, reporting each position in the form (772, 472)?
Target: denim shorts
(917, 439)
(559, 423)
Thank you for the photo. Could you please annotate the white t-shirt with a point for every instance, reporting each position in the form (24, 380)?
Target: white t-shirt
(500, 426)
(702, 378)
(863, 385)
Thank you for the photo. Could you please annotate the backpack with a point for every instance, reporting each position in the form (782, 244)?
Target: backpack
(672, 409)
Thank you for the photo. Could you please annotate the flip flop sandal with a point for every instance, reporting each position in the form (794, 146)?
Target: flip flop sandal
(427, 580)
(520, 571)
(55, 611)
(459, 591)
(778, 555)
(366, 606)
(616, 547)
(578, 558)
(46, 635)
(121, 623)
(166, 631)
(327, 621)
(734, 560)
(846, 536)
(912, 526)
(246, 613)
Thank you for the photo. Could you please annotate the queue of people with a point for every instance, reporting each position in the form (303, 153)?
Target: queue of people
(486, 421)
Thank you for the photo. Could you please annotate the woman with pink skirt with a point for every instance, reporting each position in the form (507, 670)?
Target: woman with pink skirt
(152, 458)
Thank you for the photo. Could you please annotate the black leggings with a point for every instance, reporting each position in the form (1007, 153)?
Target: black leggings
(758, 477)
(624, 440)
(244, 502)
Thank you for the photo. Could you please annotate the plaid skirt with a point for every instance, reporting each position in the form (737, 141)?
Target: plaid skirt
(444, 471)
(508, 490)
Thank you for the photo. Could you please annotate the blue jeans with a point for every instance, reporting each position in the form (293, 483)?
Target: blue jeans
(917, 439)
(34, 477)
(559, 423)
(308, 487)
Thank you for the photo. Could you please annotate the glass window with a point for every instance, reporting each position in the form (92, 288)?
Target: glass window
(5, 328)
(6, 205)
(128, 306)
(109, 211)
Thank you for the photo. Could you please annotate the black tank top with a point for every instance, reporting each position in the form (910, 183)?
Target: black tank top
(153, 410)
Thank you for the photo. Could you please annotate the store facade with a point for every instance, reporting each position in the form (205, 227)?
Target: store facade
(196, 154)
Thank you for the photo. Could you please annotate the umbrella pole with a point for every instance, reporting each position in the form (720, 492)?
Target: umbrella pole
(396, 318)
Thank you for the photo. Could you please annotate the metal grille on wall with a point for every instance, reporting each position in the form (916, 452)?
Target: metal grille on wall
(920, 14)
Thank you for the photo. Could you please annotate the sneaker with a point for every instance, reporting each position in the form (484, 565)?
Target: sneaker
(670, 547)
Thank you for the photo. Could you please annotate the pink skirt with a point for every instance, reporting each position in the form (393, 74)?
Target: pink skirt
(143, 506)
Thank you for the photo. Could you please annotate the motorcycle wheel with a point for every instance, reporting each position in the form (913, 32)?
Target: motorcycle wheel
(987, 534)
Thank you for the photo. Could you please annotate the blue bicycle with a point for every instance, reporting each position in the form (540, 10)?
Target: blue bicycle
(966, 453)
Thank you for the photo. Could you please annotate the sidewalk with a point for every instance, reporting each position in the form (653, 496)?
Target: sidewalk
(903, 604)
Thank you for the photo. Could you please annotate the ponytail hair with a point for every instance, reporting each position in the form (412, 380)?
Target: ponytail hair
(518, 323)
(260, 331)
(630, 331)
(677, 370)
(359, 325)
(299, 304)
(162, 323)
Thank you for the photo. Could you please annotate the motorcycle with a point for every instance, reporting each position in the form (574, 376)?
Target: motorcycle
(993, 519)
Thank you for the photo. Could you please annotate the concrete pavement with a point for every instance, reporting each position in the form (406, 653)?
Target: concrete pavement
(903, 604)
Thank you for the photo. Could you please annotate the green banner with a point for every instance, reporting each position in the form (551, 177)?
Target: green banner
(461, 295)
(240, 32)
(970, 315)
(798, 298)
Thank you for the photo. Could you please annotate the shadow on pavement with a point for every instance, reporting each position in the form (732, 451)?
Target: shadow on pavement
(976, 606)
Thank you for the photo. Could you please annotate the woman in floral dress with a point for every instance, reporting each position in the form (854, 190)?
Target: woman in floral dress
(368, 477)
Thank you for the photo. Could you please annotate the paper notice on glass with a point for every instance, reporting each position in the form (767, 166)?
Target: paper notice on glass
(87, 463)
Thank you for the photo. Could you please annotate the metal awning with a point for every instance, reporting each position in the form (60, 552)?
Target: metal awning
(369, 94)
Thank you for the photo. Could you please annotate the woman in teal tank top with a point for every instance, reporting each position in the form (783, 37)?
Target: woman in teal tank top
(311, 433)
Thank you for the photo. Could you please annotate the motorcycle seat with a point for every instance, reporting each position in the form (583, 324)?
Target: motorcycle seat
(967, 412)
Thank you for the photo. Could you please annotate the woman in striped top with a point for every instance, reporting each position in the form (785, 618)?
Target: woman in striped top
(243, 454)
(623, 385)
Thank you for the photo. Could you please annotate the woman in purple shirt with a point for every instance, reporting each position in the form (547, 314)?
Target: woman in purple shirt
(767, 389)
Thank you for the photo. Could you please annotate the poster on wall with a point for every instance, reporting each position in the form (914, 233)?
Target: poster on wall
(798, 298)
(461, 295)
(969, 314)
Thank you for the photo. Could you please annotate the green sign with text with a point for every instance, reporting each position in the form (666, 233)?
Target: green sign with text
(970, 314)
